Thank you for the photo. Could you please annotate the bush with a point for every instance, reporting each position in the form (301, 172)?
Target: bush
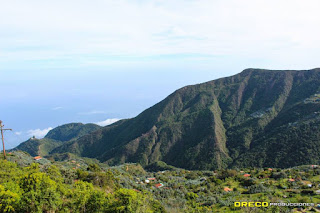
(278, 175)
(9, 201)
(226, 173)
(257, 189)
(39, 194)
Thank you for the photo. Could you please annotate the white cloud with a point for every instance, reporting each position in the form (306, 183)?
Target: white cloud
(107, 122)
(91, 33)
(39, 133)
(57, 108)
(18, 133)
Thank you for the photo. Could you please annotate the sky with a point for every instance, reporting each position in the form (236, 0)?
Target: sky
(98, 61)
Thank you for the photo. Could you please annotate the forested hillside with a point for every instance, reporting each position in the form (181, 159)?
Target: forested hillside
(255, 118)
(56, 137)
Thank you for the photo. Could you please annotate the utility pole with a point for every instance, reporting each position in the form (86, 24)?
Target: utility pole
(2, 130)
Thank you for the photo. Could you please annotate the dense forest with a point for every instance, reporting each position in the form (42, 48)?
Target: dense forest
(68, 183)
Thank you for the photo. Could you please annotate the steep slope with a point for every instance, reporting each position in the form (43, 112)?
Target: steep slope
(36, 146)
(71, 131)
(55, 138)
(255, 118)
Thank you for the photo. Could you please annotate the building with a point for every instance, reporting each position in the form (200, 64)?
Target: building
(37, 158)
(158, 185)
(152, 179)
(227, 189)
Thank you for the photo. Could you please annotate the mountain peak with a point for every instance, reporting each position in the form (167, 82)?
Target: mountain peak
(71, 131)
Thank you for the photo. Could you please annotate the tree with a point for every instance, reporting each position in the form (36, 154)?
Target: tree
(39, 194)
(9, 201)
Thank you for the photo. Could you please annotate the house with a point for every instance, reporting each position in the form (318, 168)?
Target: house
(37, 158)
(246, 175)
(317, 192)
(291, 180)
(147, 181)
(152, 178)
(158, 185)
(270, 169)
(227, 189)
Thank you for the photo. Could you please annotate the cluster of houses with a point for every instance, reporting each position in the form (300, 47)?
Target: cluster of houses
(151, 180)
(304, 182)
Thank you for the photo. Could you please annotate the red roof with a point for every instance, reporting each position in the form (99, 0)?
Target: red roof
(246, 175)
(291, 180)
(158, 185)
(227, 189)
(151, 178)
(37, 157)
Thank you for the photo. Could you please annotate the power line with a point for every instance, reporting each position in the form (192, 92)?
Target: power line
(2, 130)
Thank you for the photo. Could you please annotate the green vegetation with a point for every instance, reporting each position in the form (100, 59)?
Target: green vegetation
(55, 138)
(71, 131)
(80, 185)
(257, 118)
(254, 120)
(37, 147)
(55, 187)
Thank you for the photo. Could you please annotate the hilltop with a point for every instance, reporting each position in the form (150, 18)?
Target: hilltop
(56, 137)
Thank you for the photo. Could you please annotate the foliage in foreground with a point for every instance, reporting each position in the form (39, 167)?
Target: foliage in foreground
(50, 189)
(82, 185)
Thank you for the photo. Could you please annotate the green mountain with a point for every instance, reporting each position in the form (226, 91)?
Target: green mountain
(255, 118)
(37, 147)
(55, 138)
(71, 131)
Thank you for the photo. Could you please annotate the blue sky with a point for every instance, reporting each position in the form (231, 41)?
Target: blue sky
(102, 60)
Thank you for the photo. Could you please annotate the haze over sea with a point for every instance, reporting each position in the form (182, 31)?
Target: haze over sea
(84, 61)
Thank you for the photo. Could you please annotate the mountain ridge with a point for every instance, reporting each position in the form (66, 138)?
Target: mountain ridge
(56, 137)
(227, 122)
